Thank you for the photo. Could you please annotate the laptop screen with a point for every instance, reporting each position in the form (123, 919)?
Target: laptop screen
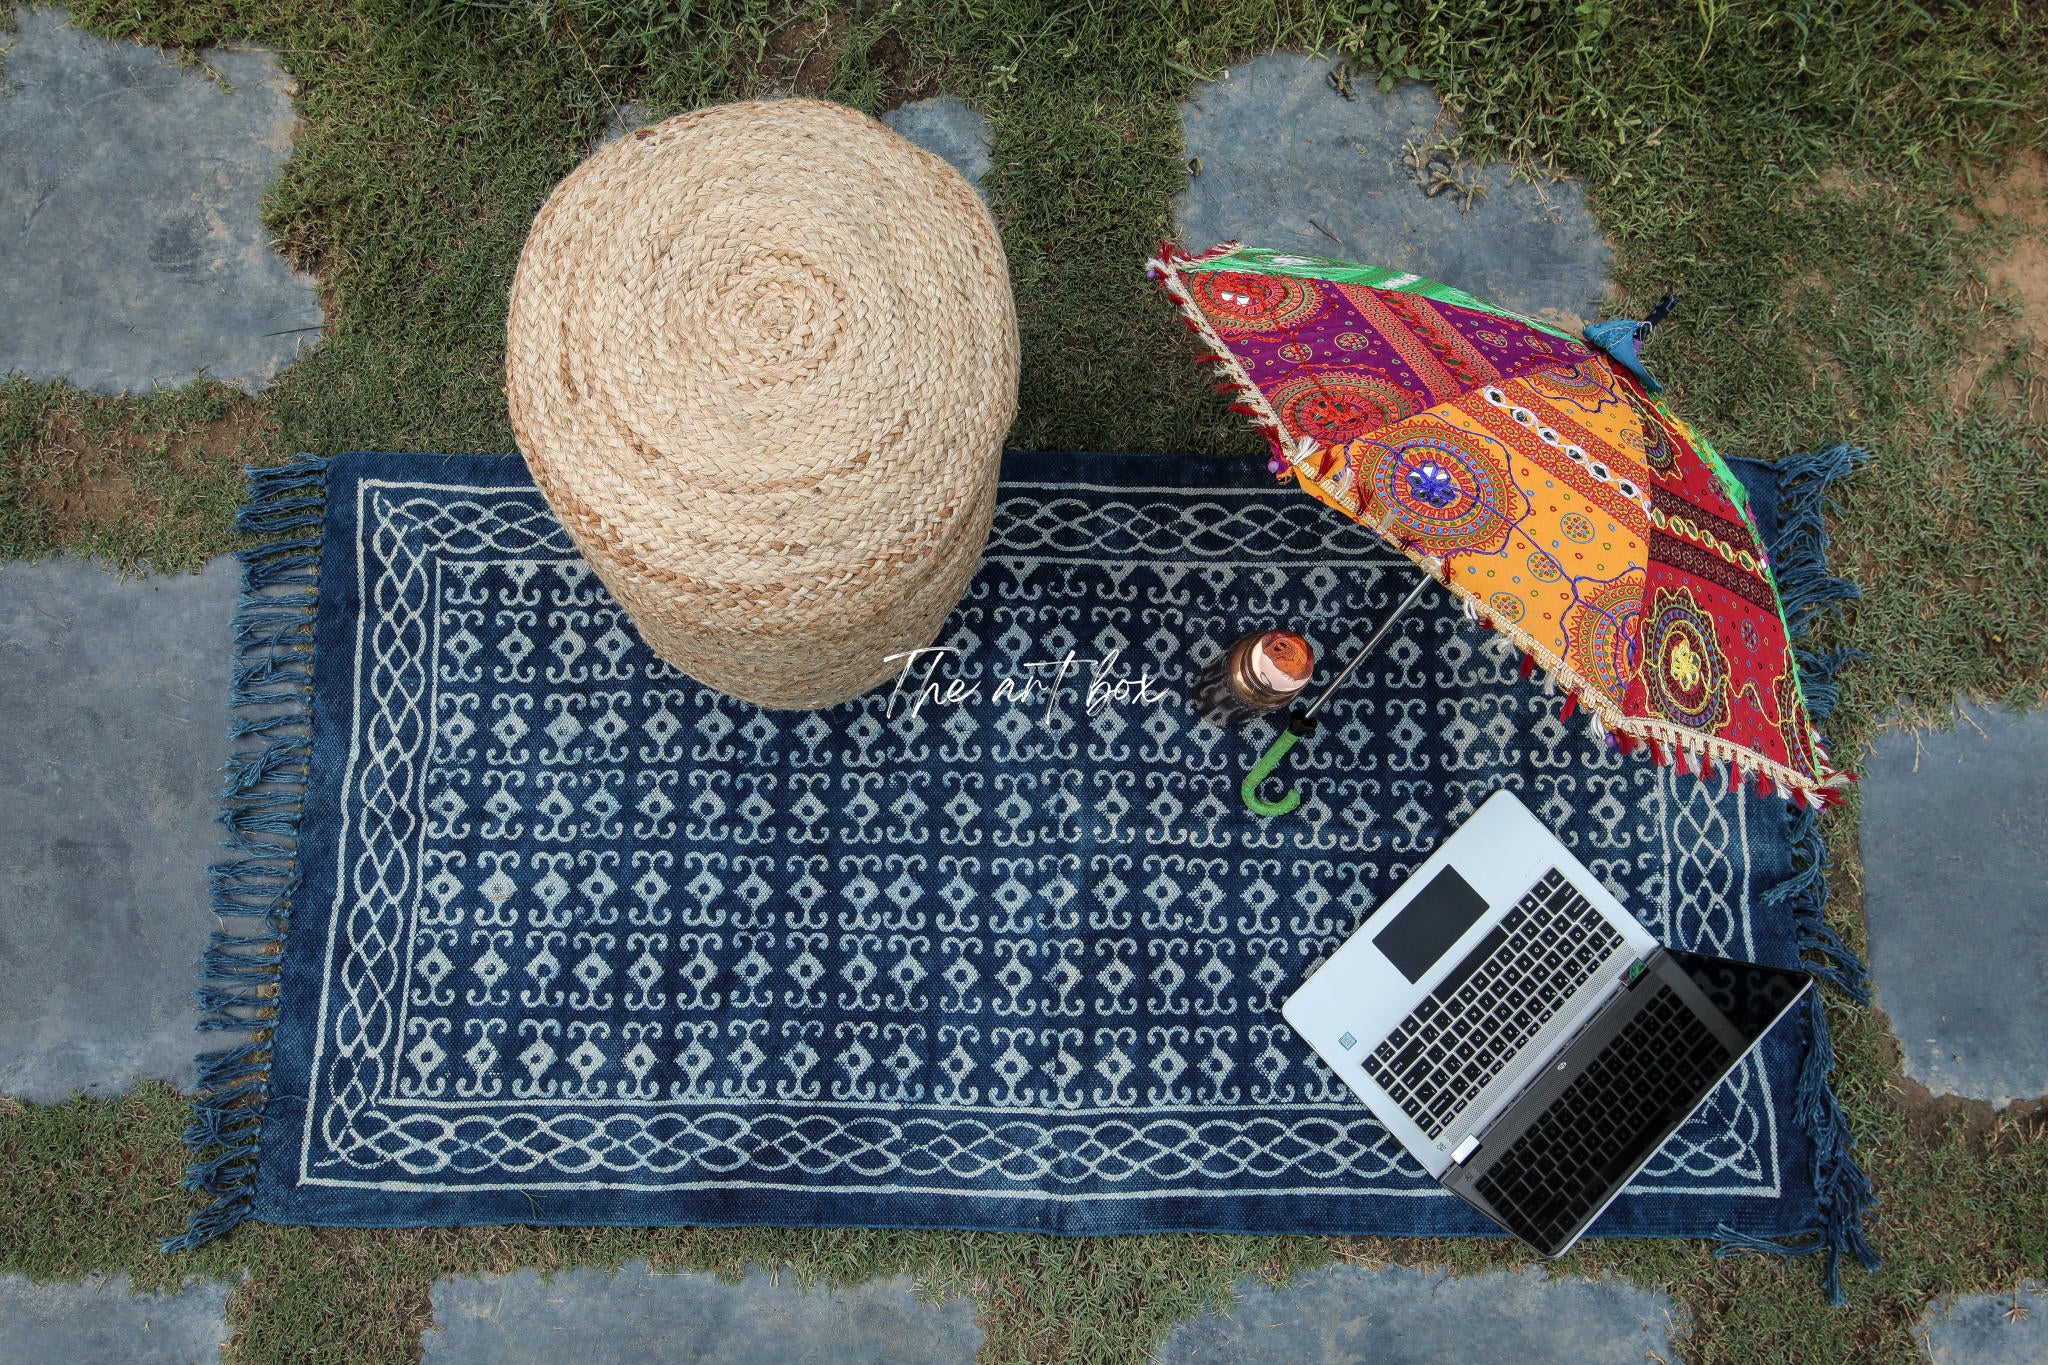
(1749, 994)
(1430, 924)
(1580, 1131)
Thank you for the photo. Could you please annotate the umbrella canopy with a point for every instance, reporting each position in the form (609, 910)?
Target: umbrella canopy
(1540, 482)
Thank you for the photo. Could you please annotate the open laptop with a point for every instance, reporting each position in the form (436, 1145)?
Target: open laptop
(1521, 1034)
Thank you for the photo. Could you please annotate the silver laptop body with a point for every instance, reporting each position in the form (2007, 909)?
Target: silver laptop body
(1520, 1034)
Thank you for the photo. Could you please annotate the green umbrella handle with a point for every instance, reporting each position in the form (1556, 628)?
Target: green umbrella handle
(1298, 726)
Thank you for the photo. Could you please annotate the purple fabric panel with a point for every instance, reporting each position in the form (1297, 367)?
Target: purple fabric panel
(1513, 348)
(1337, 337)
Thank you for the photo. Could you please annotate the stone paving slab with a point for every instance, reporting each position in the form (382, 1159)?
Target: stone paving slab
(128, 213)
(1348, 1315)
(113, 694)
(1286, 162)
(628, 117)
(1976, 1329)
(1954, 837)
(593, 1318)
(948, 130)
(100, 1322)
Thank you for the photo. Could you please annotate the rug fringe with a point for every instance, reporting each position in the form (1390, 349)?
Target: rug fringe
(1799, 556)
(1809, 591)
(261, 801)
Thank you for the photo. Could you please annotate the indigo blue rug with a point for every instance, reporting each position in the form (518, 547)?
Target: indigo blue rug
(561, 937)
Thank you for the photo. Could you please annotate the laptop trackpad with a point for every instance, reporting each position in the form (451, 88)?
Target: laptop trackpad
(1429, 924)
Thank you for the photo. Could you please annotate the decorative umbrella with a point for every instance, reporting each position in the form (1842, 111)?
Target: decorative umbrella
(1539, 481)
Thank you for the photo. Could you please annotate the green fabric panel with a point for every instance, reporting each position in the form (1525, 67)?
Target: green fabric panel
(1267, 261)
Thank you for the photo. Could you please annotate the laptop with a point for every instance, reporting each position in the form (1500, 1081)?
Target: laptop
(1521, 1034)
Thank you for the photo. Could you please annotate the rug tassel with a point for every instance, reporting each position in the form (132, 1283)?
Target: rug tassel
(213, 1221)
(276, 600)
(1799, 557)
(241, 728)
(302, 514)
(1843, 1193)
(224, 1023)
(219, 1001)
(219, 1174)
(218, 1128)
(1736, 1243)
(215, 1068)
(220, 940)
(273, 619)
(248, 886)
(261, 801)
(278, 759)
(223, 966)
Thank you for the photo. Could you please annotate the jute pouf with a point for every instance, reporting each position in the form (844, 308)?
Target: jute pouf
(761, 360)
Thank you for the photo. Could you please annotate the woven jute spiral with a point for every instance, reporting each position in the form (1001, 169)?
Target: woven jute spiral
(761, 360)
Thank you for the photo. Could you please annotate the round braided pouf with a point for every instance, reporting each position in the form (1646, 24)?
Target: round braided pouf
(761, 358)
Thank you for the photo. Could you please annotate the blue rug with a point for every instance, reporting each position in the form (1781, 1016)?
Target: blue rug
(561, 937)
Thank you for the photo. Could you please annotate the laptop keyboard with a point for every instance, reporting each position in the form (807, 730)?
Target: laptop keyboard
(1507, 988)
(1641, 1083)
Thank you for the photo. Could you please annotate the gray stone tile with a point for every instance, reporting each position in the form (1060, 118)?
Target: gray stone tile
(949, 130)
(1346, 1315)
(626, 118)
(128, 214)
(1974, 1329)
(1955, 895)
(638, 1316)
(99, 1322)
(1288, 163)
(115, 730)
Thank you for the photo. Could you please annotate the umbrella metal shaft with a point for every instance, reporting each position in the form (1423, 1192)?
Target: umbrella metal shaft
(1368, 647)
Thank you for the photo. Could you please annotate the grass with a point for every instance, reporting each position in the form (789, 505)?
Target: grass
(138, 483)
(1803, 173)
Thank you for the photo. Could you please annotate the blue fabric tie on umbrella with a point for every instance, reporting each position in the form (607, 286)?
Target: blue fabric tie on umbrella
(1622, 339)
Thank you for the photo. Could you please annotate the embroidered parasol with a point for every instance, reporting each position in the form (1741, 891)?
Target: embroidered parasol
(1541, 481)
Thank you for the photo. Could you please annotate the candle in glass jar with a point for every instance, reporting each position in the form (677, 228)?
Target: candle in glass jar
(1261, 672)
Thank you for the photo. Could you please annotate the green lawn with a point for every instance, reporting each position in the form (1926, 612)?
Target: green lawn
(1810, 176)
